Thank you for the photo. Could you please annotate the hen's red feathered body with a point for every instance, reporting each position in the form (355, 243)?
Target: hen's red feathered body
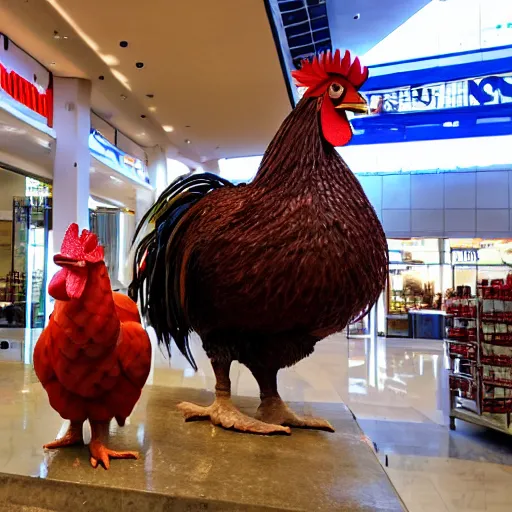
(94, 357)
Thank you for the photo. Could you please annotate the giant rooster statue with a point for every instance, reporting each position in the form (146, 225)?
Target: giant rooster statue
(263, 272)
(94, 357)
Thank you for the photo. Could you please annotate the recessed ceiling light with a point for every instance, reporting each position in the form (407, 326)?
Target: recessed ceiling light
(139, 65)
(52, 64)
(123, 44)
(143, 116)
(150, 96)
(152, 109)
(123, 97)
(56, 35)
(101, 77)
(188, 141)
(168, 128)
(143, 134)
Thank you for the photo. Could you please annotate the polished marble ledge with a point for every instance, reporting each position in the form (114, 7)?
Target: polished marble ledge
(185, 466)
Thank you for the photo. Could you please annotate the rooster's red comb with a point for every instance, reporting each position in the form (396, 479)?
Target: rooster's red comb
(318, 70)
(84, 247)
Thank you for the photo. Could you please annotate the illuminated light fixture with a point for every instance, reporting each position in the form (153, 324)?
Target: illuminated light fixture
(110, 60)
(42, 142)
(12, 129)
(188, 141)
(152, 109)
(122, 78)
(168, 128)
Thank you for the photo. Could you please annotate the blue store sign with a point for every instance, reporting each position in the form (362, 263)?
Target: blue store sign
(474, 92)
(470, 107)
(113, 157)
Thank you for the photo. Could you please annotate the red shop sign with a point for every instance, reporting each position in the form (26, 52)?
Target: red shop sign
(28, 94)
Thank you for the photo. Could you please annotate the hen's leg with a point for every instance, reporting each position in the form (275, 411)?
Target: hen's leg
(100, 454)
(273, 410)
(74, 435)
(223, 412)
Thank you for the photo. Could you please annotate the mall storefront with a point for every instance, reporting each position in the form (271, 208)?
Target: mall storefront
(426, 272)
(25, 224)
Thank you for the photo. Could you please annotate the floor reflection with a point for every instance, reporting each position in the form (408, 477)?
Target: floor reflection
(396, 388)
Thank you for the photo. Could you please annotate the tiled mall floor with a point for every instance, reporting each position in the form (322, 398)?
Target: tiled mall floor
(397, 390)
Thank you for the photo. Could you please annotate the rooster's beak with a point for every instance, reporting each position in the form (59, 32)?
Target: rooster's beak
(67, 262)
(354, 102)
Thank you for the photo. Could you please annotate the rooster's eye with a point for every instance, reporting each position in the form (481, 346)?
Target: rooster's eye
(335, 91)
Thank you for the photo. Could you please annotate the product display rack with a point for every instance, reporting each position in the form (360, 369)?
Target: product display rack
(479, 350)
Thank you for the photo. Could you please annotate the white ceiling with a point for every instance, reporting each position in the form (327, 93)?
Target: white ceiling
(24, 147)
(212, 67)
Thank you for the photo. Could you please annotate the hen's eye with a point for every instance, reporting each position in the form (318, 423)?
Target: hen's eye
(335, 90)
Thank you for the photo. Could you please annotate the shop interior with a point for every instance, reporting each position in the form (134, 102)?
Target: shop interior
(424, 273)
(25, 217)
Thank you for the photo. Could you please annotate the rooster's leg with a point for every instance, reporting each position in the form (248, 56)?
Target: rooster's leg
(223, 412)
(74, 435)
(272, 408)
(100, 454)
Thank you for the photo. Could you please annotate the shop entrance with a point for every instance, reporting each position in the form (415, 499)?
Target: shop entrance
(25, 217)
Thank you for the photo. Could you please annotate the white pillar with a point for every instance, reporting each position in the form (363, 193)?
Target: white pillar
(72, 123)
(157, 168)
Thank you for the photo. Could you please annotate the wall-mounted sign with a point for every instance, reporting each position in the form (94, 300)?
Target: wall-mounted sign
(25, 81)
(116, 159)
(462, 256)
(488, 90)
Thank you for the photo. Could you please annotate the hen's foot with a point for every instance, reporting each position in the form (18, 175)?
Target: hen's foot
(100, 454)
(274, 410)
(223, 412)
(73, 436)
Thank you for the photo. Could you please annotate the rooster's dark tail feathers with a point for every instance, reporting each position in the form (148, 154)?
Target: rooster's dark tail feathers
(156, 270)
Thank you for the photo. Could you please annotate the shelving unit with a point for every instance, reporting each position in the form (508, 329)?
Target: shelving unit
(479, 351)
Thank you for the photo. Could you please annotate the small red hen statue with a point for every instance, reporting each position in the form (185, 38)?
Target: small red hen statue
(94, 357)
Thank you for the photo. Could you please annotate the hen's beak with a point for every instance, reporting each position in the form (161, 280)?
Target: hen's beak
(354, 102)
(67, 262)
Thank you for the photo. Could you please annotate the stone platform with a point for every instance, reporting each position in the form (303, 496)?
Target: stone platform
(184, 466)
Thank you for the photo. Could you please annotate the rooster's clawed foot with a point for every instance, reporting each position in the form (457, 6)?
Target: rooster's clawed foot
(223, 412)
(74, 435)
(100, 454)
(274, 410)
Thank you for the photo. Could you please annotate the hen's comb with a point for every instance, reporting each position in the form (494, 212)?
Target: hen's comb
(318, 70)
(84, 247)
